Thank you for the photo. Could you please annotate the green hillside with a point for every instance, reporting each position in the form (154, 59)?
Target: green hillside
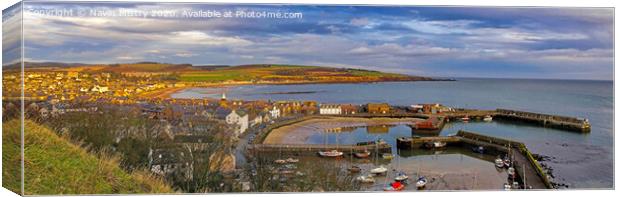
(53, 165)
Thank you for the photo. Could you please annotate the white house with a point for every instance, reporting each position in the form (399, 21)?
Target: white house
(240, 118)
(330, 109)
(275, 112)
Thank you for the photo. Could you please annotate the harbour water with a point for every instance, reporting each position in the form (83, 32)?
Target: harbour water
(578, 160)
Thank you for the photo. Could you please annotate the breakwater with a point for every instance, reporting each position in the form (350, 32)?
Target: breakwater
(546, 120)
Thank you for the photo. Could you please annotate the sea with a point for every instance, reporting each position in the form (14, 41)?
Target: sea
(579, 160)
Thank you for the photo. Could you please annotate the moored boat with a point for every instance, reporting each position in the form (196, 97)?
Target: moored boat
(465, 119)
(365, 179)
(364, 154)
(439, 144)
(354, 169)
(331, 153)
(280, 161)
(401, 176)
(379, 170)
(387, 156)
(499, 163)
(511, 172)
(479, 149)
(421, 182)
(488, 118)
(507, 186)
(395, 186)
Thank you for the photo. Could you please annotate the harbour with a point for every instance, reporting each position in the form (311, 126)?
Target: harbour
(565, 151)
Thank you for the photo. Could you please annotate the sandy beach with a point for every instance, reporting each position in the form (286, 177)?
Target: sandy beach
(298, 133)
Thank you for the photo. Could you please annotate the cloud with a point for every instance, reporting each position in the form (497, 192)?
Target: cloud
(414, 40)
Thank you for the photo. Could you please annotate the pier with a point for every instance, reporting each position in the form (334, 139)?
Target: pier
(546, 120)
(525, 165)
(313, 149)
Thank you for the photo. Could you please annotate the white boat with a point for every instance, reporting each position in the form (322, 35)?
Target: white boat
(499, 163)
(515, 185)
(365, 179)
(511, 172)
(421, 183)
(379, 170)
(331, 153)
(280, 161)
(465, 119)
(401, 177)
(487, 118)
(291, 160)
(439, 144)
(507, 186)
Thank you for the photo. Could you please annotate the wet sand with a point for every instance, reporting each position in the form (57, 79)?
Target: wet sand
(299, 133)
(162, 93)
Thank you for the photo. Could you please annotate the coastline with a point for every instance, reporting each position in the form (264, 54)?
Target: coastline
(298, 133)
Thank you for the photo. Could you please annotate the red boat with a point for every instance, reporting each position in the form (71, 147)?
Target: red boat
(395, 186)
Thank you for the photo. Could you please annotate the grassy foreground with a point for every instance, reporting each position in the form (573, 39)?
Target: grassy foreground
(53, 165)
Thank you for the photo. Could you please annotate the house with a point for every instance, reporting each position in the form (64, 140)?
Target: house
(239, 118)
(434, 108)
(378, 108)
(349, 109)
(274, 112)
(330, 109)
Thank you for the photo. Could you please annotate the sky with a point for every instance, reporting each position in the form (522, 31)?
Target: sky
(508, 42)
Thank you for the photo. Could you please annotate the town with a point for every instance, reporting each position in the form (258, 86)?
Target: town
(124, 111)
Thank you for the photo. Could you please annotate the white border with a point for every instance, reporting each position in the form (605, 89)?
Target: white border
(561, 3)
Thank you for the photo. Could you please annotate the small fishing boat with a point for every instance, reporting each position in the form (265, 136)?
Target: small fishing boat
(465, 119)
(387, 156)
(421, 182)
(395, 186)
(331, 153)
(365, 179)
(354, 169)
(292, 160)
(478, 149)
(507, 163)
(507, 186)
(439, 144)
(364, 154)
(280, 161)
(379, 170)
(401, 176)
(511, 172)
(515, 185)
(487, 118)
(499, 163)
